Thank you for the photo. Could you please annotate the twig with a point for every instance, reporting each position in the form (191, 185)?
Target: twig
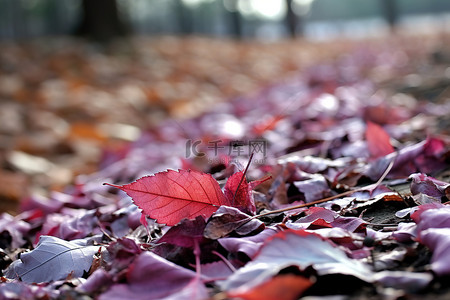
(367, 187)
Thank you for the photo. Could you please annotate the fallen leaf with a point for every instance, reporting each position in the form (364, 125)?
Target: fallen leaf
(123, 252)
(99, 280)
(426, 157)
(171, 196)
(239, 193)
(185, 233)
(423, 184)
(314, 188)
(432, 215)
(21, 290)
(433, 230)
(378, 140)
(322, 217)
(227, 220)
(438, 241)
(195, 290)
(52, 259)
(247, 245)
(150, 277)
(281, 287)
(295, 248)
(16, 229)
(402, 280)
(214, 270)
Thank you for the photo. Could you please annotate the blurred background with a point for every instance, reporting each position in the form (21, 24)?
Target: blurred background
(80, 81)
(263, 19)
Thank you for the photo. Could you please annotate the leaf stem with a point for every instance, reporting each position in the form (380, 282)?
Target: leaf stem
(226, 261)
(197, 258)
(242, 178)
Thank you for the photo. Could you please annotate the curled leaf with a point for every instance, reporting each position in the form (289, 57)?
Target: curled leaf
(423, 184)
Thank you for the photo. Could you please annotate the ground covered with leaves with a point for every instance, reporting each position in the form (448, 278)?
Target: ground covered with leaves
(332, 181)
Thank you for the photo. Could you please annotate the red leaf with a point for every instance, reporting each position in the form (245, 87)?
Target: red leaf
(242, 198)
(239, 194)
(378, 140)
(171, 196)
(281, 287)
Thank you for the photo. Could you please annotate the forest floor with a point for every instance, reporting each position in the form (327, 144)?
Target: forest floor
(303, 169)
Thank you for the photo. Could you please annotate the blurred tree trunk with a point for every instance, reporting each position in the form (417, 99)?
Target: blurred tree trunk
(293, 21)
(390, 11)
(101, 21)
(233, 18)
(236, 24)
(184, 18)
(18, 20)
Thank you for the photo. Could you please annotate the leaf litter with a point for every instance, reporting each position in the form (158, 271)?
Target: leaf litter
(349, 198)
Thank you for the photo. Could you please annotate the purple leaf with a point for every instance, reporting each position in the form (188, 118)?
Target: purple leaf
(185, 233)
(16, 229)
(298, 248)
(53, 259)
(195, 290)
(432, 218)
(409, 281)
(351, 224)
(213, 271)
(426, 156)
(416, 214)
(438, 240)
(405, 232)
(420, 199)
(327, 218)
(228, 220)
(20, 290)
(348, 241)
(247, 245)
(41, 203)
(433, 230)
(314, 188)
(70, 224)
(123, 251)
(423, 184)
(316, 213)
(98, 280)
(150, 277)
